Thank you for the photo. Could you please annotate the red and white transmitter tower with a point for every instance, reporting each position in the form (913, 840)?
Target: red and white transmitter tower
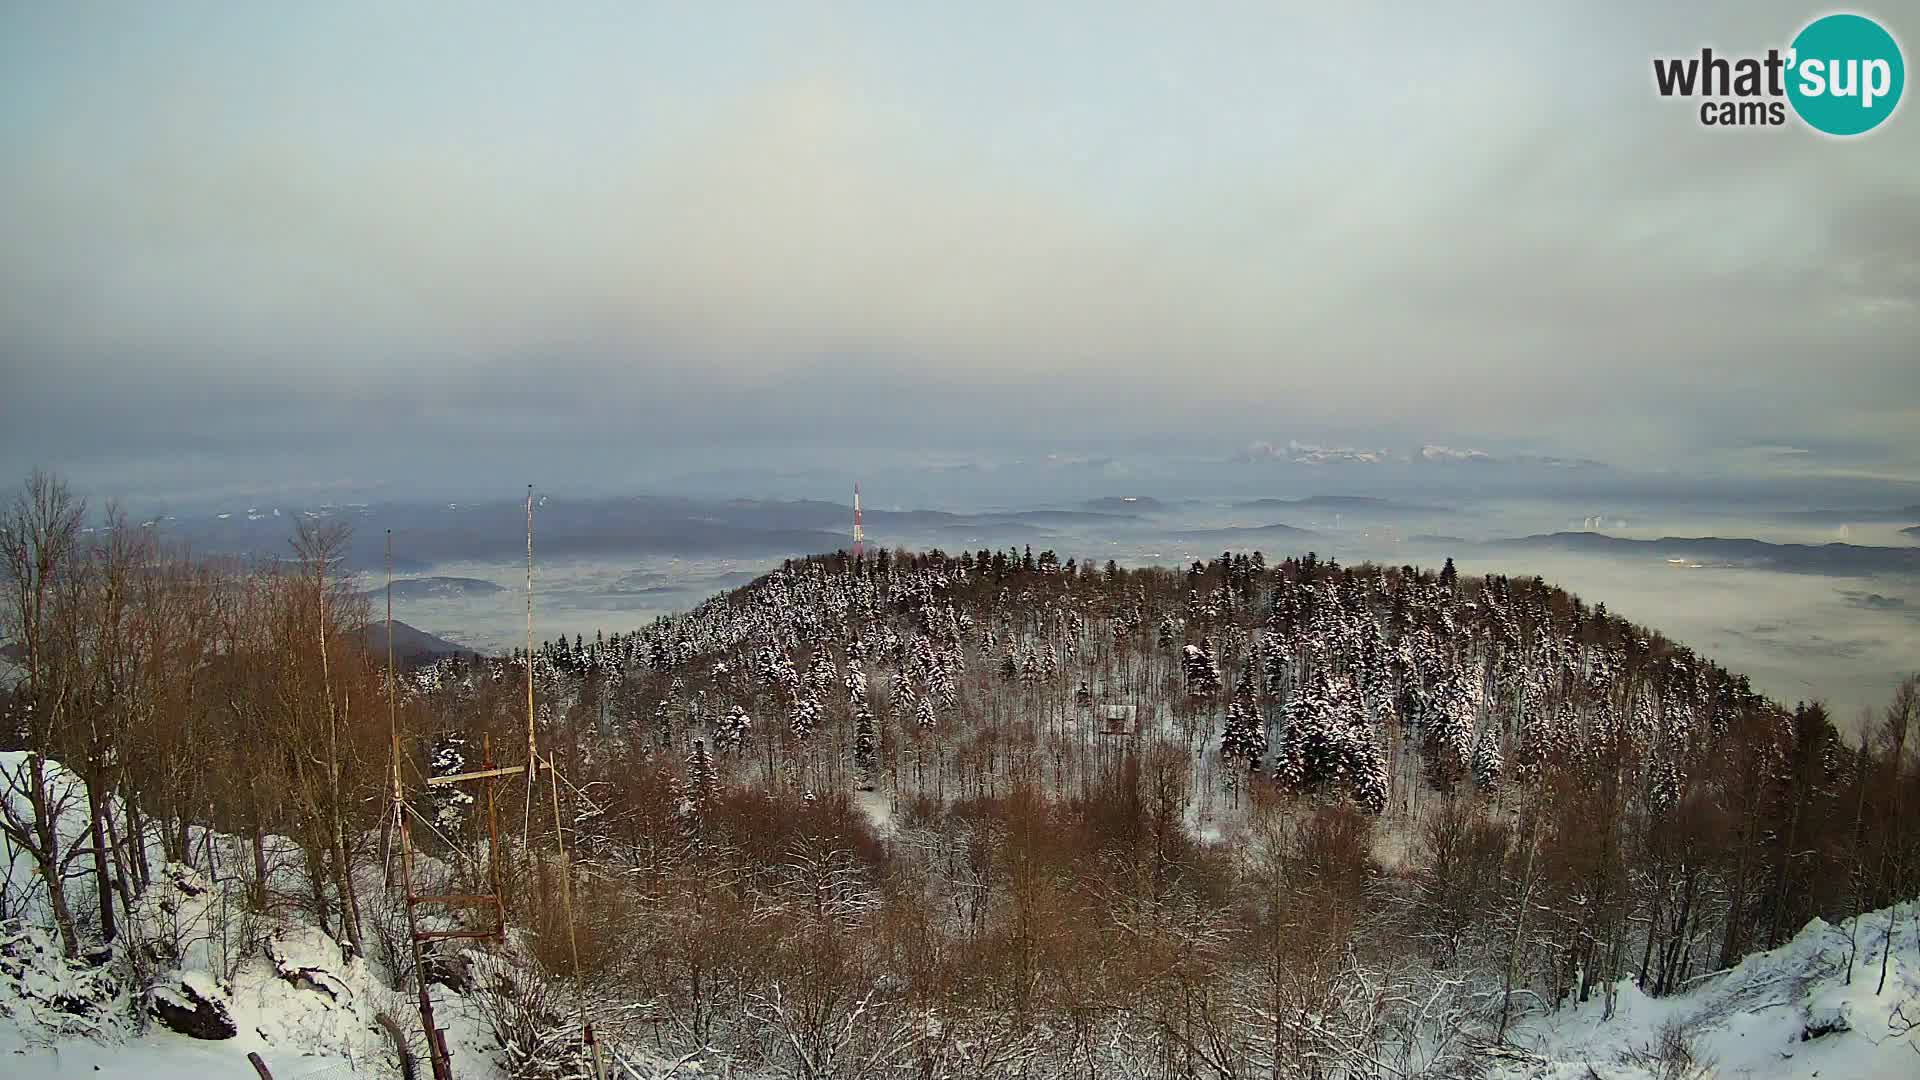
(859, 534)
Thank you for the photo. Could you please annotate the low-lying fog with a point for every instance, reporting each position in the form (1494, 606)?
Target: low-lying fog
(1844, 640)
(1798, 636)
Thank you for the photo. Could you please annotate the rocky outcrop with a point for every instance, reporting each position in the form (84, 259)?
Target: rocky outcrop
(191, 1005)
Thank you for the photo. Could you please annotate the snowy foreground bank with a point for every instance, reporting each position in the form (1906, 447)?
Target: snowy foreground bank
(196, 982)
(1791, 1012)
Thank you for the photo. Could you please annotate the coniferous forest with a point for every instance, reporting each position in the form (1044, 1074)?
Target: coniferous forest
(993, 813)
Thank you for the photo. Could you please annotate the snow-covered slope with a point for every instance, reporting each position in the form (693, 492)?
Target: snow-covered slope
(288, 993)
(191, 957)
(1790, 1013)
(197, 980)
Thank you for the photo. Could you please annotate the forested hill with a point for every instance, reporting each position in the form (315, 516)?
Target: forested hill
(1680, 818)
(953, 816)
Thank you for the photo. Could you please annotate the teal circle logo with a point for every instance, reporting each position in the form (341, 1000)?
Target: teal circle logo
(1845, 74)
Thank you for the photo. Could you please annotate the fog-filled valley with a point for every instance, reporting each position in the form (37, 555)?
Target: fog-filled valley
(783, 540)
(950, 799)
(1808, 621)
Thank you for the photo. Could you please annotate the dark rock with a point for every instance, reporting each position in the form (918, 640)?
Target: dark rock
(449, 968)
(306, 977)
(1824, 1022)
(181, 1007)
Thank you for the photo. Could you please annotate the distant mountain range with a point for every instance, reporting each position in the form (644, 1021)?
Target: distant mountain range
(436, 588)
(1248, 534)
(1835, 559)
(1852, 517)
(1125, 505)
(410, 644)
(1060, 517)
(767, 530)
(1299, 453)
(426, 535)
(1358, 505)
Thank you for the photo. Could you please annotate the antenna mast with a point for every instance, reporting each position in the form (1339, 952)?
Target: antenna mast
(534, 765)
(439, 1058)
(859, 534)
(438, 1055)
(533, 751)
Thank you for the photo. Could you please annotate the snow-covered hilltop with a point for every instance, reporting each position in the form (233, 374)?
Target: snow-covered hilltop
(999, 813)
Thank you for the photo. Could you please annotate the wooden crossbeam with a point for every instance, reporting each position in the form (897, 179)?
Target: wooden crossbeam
(482, 774)
(444, 935)
(456, 900)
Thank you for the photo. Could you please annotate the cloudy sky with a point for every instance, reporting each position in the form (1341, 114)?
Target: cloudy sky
(242, 240)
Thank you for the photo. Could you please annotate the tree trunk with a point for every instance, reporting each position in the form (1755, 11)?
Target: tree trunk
(123, 882)
(259, 889)
(317, 888)
(349, 900)
(103, 877)
(1783, 873)
(136, 840)
(1733, 943)
(1886, 950)
(1519, 928)
(57, 899)
(46, 853)
(181, 847)
(1653, 934)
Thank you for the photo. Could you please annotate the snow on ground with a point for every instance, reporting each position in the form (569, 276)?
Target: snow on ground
(68, 795)
(1788, 1013)
(289, 994)
(878, 806)
(192, 956)
(174, 1058)
(283, 989)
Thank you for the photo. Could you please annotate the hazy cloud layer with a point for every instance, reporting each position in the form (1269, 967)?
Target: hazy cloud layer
(459, 234)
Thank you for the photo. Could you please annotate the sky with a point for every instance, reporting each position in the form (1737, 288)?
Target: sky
(402, 245)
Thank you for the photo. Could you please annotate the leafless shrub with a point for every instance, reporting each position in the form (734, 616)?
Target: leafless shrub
(531, 1018)
(1670, 1057)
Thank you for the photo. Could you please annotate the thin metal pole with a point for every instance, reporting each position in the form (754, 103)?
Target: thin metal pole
(436, 1047)
(493, 845)
(559, 834)
(533, 753)
(393, 723)
(566, 903)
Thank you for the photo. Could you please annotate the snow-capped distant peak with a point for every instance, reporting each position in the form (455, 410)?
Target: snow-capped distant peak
(1431, 452)
(1300, 453)
(1296, 452)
